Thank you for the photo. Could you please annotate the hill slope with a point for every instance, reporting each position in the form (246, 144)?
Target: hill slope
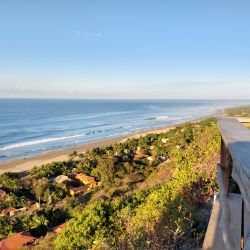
(153, 193)
(157, 213)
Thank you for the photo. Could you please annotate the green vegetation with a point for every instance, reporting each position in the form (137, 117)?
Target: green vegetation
(153, 192)
(242, 111)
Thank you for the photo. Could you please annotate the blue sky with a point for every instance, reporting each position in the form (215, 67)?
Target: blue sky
(125, 49)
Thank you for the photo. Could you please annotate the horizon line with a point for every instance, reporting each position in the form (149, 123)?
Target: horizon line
(125, 99)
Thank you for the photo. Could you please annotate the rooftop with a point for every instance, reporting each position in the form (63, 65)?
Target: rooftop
(59, 228)
(2, 193)
(16, 241)
(61, 179)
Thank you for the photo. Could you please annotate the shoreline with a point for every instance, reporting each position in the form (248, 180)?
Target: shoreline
(26, 164)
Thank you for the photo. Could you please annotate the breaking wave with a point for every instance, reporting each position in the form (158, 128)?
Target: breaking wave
(35, 142)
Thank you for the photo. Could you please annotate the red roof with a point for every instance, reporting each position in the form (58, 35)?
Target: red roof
(59, 228)
(2, 193)
(16, 241)
(3, 246)
(85, 178)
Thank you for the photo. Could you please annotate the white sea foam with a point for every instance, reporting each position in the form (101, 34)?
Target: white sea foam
(35, 142)
(162, 118)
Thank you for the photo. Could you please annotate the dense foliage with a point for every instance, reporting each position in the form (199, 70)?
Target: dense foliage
(242, 111)
(172, 214)
(153, 193)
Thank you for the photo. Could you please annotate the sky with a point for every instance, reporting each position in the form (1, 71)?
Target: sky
(125, 49)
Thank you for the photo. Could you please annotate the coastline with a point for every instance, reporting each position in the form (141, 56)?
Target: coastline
(26, 164)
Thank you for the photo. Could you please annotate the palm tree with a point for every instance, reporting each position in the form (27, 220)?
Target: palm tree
(73, 155)
(38, 221)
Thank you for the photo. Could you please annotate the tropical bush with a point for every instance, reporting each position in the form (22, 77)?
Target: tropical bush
(243, 111)
(138, 204)
(173, 214)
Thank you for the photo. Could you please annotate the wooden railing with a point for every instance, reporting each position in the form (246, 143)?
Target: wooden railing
(230, 225)
(235, 157)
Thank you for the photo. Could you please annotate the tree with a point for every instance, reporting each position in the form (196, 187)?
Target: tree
(38, 225)
(6, 227)
(10, 182)
(49, 192)
(73, 155)
(106, 170)
(91, 227)
(15, 201)
(40, 186)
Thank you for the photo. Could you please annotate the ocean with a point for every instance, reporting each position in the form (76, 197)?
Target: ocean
(29, 127)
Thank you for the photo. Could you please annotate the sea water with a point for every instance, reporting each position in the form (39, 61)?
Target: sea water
(32, 126)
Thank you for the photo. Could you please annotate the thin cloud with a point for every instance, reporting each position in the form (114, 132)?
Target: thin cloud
(81, 33)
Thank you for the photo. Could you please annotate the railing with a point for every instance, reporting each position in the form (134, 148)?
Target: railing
(235, 159)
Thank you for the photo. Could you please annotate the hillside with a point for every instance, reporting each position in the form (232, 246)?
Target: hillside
(153, 192)
(242, 111)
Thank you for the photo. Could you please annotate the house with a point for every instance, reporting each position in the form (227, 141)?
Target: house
(16, 241)
(34, 207)
(59, 228)
(125, 158)
(85, 179)
(78, 190)
(152, 158)
(2, 193)
(139, 155)
(21, 209)
(164, 140)
(10, 211)
(62, 179)
(162, 158)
